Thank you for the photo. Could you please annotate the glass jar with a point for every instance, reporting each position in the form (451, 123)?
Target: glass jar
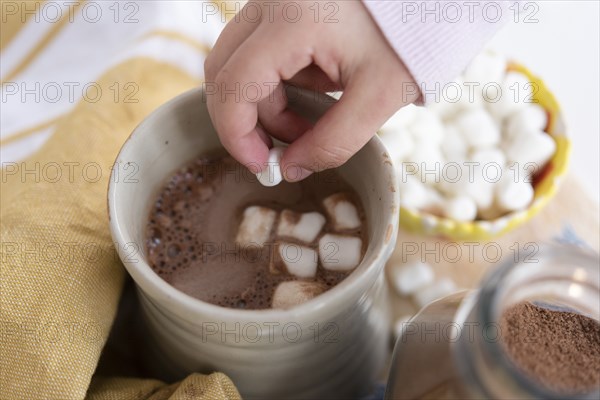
(452, 347)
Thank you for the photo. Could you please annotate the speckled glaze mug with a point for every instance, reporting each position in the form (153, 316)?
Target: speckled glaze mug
(332, 346)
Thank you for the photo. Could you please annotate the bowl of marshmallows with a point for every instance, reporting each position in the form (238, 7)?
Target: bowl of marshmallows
(482, 157)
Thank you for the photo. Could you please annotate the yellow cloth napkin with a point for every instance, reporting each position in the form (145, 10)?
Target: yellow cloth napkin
(60, 278)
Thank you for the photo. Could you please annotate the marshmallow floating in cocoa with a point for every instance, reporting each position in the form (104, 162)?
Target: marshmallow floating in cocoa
(340, 252)
(342, 212)
(300, 261)
(255, 228)
(304, 227)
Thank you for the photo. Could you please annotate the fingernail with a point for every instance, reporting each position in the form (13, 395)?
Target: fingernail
(295, 173)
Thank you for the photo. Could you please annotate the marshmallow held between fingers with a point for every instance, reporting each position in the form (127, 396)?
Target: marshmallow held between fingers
(409, 278)
(342, 212)
(255, 228)
(291, 293)
(272, 175)
(304, 227)
(340, 252)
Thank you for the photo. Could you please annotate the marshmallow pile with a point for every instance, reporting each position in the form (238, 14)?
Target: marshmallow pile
(472, 155)
(304, 241)
(417, 281)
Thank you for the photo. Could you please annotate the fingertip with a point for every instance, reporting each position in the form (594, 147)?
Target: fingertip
(293, 170)
(249, 150)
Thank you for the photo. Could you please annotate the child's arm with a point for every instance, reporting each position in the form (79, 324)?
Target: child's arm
(253, 56)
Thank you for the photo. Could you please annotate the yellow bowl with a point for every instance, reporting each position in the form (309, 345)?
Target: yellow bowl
(545, 183)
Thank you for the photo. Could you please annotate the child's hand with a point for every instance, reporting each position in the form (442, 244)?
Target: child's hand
(253, 58)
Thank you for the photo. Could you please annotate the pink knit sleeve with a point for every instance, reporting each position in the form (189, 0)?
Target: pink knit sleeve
(437, 39)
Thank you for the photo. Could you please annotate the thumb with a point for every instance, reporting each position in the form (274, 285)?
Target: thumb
(342, 131)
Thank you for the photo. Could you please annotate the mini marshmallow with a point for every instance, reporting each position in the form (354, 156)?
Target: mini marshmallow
(471, 98)
(481, 190)
(515, 93)
(443, 109)
(340, 253)
(410, 278)
(413, 193)
(271, 175)
(300, 261)
(486, 67)
(520, 86)
(427, 128)
(530, 118)
(453, 144)
(488, 156)
(478, 128)
(457, 97)
(536, 147)
(291, 293)
(523, 172)
(398, 143)
(304, 227)
(438, 289)
(513, 195)
(256, 226)
(471, 183)
(416, 195)
(428, 158)
(460, 208)
(342, 212)
(402, 119)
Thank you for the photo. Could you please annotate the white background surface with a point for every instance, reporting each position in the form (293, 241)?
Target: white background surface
(563, 48)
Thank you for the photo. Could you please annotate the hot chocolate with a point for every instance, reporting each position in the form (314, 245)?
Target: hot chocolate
(215, 233)
(558, 348)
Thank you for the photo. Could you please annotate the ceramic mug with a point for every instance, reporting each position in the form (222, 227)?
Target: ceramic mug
(332, 346)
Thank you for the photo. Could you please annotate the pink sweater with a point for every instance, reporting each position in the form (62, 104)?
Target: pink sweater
(437, 39)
